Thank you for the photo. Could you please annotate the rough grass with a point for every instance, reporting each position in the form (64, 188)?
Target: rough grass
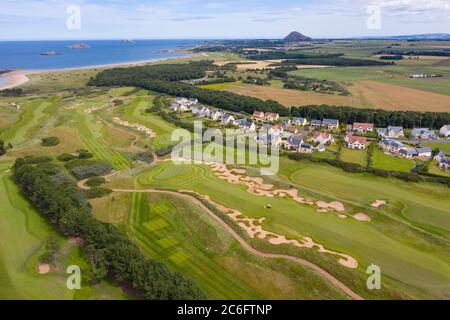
(387, 162)
(173, 230)
(23, 233)
(402, 256)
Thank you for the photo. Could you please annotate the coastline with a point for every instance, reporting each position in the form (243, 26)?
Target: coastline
(17, 78)
(14, 79)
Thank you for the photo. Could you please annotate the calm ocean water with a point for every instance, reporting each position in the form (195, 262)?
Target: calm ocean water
(26, 55)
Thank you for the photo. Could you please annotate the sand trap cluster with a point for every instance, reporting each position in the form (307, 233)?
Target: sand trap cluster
(378, 203)
(254, 229)
(362, 217)
(44, 268)
(136, 126)
(257, 187)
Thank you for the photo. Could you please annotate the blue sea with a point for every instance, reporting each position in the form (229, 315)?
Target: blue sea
(26, 55)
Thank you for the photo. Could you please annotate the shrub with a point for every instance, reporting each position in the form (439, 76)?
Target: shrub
(95, 181)
(64, 157)
(84, 154)
(83, 169)
(144, 157)
(97, 192)
(50, 141)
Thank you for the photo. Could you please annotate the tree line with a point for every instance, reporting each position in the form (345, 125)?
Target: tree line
(379, 117)
(220, 99)
(108, 251)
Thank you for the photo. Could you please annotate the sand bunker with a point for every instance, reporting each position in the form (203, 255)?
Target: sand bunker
(255, 230)
(362, 217)
(44, 268)
(335, 205)
(136, 126)
(378, 203)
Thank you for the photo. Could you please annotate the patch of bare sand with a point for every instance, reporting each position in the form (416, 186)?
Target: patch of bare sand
(254, 229)
(335, 205)
(362, 217)
(43, 268)
(378, 203)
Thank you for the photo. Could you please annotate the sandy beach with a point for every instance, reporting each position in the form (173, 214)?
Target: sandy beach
(13, 79)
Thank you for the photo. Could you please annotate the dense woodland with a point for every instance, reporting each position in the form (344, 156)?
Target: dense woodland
(108, 251)
(139, 77)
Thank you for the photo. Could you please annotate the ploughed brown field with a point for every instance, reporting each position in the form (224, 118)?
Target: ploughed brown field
(370, 94)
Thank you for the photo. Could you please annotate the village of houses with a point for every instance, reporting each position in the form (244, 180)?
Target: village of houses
(314, 135)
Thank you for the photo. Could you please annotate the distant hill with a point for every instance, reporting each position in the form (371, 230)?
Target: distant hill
(296, 37)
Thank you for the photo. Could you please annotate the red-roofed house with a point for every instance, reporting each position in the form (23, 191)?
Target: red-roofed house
(258, 116)
(356, 143)
(272, 117)
(323, 138)
(276, 130)
(362, 127)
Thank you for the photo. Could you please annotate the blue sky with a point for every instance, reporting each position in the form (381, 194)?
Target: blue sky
(157, 19)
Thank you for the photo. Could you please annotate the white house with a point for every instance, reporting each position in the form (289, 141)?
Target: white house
(445, 164)
(300, 122)
(227, 119)
(391, 146)
(423, 133)
(258, 116)
(216, 115)
(445, 131)
(272, 117)
(276, 130)
(245, 125)
(294, 143)
(323, 138)
(330, 124)
(439, 156)
(425, 152)
(356, 143)
(407, 153)
(362, 127)
(177, 107)
(391, 132)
